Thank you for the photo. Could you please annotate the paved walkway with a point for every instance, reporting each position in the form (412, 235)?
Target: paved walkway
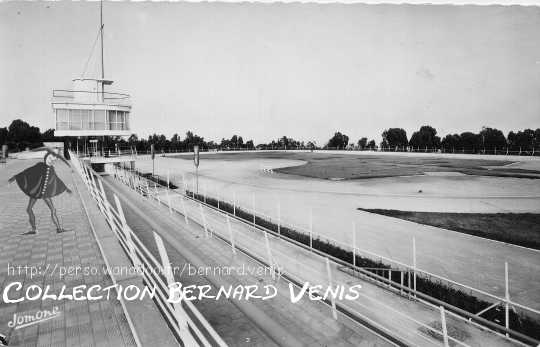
(79, 323)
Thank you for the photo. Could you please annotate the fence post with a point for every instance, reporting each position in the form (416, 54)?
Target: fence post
(354, 243)
(234, 203)
(311, 228)
(179, 313)
(269, 254)
(184, 184)
(107, 206)
(253, 204)
(148, 194)
(401, 280)
(182, 198)
(414, 265)
(506, 298)
(168, 195)
(157, 195)
(332, 299)
(126, 232)
(96, 192)
(279, 217)
(231, 234)
(444, 330)
(203, 220)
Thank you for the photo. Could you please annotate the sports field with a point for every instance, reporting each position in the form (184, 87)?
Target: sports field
(324, 190)
(337, 166)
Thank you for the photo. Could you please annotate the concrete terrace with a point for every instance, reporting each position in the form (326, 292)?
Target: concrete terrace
(80, 323)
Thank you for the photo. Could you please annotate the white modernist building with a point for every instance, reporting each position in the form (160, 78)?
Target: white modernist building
(87, 110)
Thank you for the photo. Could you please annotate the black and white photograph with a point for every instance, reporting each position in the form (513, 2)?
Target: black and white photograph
(270, 173)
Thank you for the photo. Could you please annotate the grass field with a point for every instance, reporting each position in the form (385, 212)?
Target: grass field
(521, 229)
(349, 166)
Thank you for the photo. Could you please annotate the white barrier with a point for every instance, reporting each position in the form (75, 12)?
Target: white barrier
(192, 329)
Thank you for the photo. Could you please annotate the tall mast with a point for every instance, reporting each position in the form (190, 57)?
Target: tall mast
(101, 29)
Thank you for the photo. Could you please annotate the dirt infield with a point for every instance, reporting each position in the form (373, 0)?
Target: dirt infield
(521, 229)
(336, 166)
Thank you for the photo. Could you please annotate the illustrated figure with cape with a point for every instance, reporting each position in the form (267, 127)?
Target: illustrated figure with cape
(41, 182)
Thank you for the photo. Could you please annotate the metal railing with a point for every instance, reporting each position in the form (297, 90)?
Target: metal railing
(187, 323)
(90, 97)
(150, 189)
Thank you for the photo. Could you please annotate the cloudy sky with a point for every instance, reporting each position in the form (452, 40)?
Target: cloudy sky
(267, 70)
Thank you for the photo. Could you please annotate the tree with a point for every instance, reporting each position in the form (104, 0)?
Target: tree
(3, 136)
(339, 140)
(425, 137)
(362, 143)
(249, 144)
(470, 141)
(523, 140)
(48, 135)
(371, 144)
(451, 142)
(493, 138)
(394, 137)
(22, 135)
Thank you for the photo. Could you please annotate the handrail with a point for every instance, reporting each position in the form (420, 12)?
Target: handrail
(121, 95)
(152, 269)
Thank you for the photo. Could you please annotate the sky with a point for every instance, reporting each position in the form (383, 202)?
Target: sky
(263, 71)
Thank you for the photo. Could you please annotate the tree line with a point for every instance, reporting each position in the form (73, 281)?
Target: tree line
(20, 135)
(488, 140)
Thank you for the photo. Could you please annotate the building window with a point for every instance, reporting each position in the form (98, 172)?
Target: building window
(126, 121)
(62, 119)
(99, 119)
(72, 119)
(86, 119)
(117, 120)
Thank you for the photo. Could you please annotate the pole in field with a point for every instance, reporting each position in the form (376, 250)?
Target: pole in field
(168, 195)
(196, 162)
(354, 243)
(234, 203)
(253, 205)
(311, 228)
(153, 156)
(279, 217)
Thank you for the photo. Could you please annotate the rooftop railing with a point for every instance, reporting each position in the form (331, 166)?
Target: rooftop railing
(90, 97)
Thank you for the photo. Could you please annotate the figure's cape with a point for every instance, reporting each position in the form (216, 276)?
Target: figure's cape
(40, 181)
